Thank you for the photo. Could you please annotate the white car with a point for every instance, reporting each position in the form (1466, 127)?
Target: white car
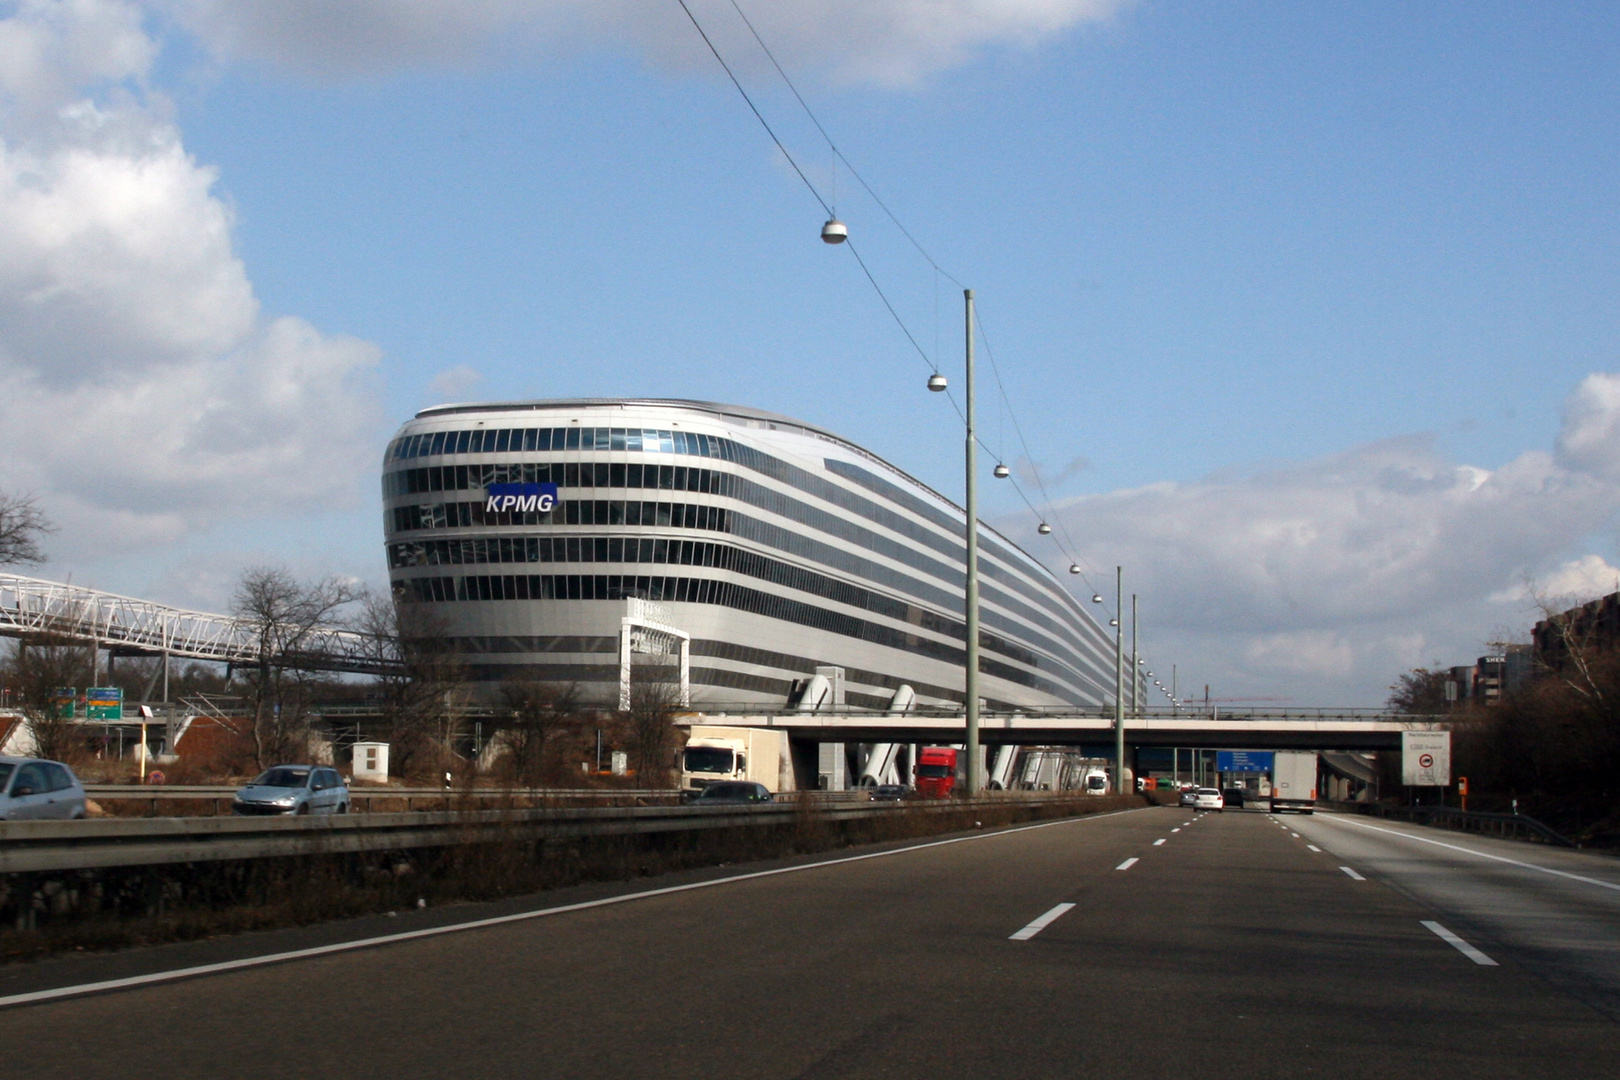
(1207, 798)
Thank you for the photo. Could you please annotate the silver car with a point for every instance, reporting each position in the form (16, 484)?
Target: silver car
(294, 789)
(33, 789)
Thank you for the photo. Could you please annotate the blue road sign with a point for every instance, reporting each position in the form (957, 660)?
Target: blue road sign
(1243, 761)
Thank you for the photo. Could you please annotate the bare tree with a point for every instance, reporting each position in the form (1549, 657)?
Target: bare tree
(285, 615)
(22, 525)
(41, 669)
(1572, 642)
(651, 720)
(536, 711)
(1420, 691)
(421, 682)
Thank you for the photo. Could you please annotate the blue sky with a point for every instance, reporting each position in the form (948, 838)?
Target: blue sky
(1337, 279)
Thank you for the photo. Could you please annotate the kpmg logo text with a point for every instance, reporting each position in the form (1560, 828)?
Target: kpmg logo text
(521, 498)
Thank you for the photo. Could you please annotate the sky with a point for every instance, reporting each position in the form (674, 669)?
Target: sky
(1304, 314)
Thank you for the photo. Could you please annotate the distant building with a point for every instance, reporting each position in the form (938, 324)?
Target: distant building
(1491, 676)
(564, 540)
(1591, 626)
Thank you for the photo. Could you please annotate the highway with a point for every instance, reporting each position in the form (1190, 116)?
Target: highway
(1149, 942)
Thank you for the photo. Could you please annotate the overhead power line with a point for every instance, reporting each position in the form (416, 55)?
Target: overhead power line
(1064, 541)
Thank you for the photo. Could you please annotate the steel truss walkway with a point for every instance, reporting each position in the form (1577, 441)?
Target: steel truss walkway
(139, 627)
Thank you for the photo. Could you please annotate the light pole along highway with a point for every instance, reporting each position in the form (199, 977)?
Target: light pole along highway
(970, 605)
(972, 619)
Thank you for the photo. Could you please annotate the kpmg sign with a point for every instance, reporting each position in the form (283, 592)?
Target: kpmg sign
(520, 498)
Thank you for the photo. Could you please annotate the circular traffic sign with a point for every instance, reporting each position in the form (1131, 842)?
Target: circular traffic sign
(1426, 760)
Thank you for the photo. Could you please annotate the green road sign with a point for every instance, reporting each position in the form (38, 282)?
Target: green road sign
(63, 700)
(104, 703)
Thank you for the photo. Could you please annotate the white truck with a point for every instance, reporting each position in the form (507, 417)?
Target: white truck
(713, 754)
(1293, 781)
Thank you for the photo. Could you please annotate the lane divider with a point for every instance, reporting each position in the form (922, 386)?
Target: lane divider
(1157, 842)
(1353, 875)
(199, 970)
(1314, 848)
(1460, 945)
(1128, 863)
(1041, 923)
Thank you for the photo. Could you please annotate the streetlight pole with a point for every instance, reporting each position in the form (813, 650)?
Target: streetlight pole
(1136, 681)
(972, 598)
(1119, 681)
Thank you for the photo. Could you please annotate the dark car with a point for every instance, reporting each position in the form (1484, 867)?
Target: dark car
(732, 793)
(1233, 797)
(888, 793)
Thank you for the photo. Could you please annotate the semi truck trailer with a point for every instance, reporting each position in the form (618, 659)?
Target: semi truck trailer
(1293, 781)
(713, 754)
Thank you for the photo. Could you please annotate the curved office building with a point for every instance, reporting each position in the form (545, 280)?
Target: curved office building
(557, 538)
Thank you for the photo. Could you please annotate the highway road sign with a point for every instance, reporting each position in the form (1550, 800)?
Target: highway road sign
(104, 703)
(1426, 758)
(1243, 761)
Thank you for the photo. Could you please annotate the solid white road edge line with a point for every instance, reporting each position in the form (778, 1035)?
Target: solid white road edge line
(1460, 945)
(1128, 863)
(1041, 923)
(177, 974)
(1479, 854)
(1353, 875)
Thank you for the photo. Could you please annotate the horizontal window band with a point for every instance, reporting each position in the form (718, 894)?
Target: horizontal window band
(795, 666)
(660, 550)
(736, 560)
(720, 593)
(630, 474)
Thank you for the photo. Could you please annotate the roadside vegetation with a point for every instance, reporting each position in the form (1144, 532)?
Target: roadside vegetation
(1549, 748)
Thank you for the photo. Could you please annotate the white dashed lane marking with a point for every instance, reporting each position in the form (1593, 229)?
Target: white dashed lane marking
(1156, 843)
(1353, 875)
(1460, 945)
(1041, 923)
(1314, 848)
(1128, 863)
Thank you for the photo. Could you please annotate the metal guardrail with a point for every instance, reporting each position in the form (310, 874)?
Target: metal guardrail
(48, 846)
(429, 798)
(1507, 826)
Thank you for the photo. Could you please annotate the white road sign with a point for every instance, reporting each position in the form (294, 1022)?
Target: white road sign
(1426, 758)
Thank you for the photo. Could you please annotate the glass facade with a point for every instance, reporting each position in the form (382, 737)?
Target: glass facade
(780, 522)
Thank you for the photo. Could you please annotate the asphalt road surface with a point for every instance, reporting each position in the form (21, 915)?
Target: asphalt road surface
(1150, 942)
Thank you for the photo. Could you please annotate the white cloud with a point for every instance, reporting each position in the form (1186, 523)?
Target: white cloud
(1574, 582)
(143, 395)
(883, 41)
(1322, 580)
(454, 384)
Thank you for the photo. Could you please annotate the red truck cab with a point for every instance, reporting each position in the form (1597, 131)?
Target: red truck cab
(935, 772)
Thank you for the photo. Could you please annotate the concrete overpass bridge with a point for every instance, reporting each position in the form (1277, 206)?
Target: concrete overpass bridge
(1272, 729)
